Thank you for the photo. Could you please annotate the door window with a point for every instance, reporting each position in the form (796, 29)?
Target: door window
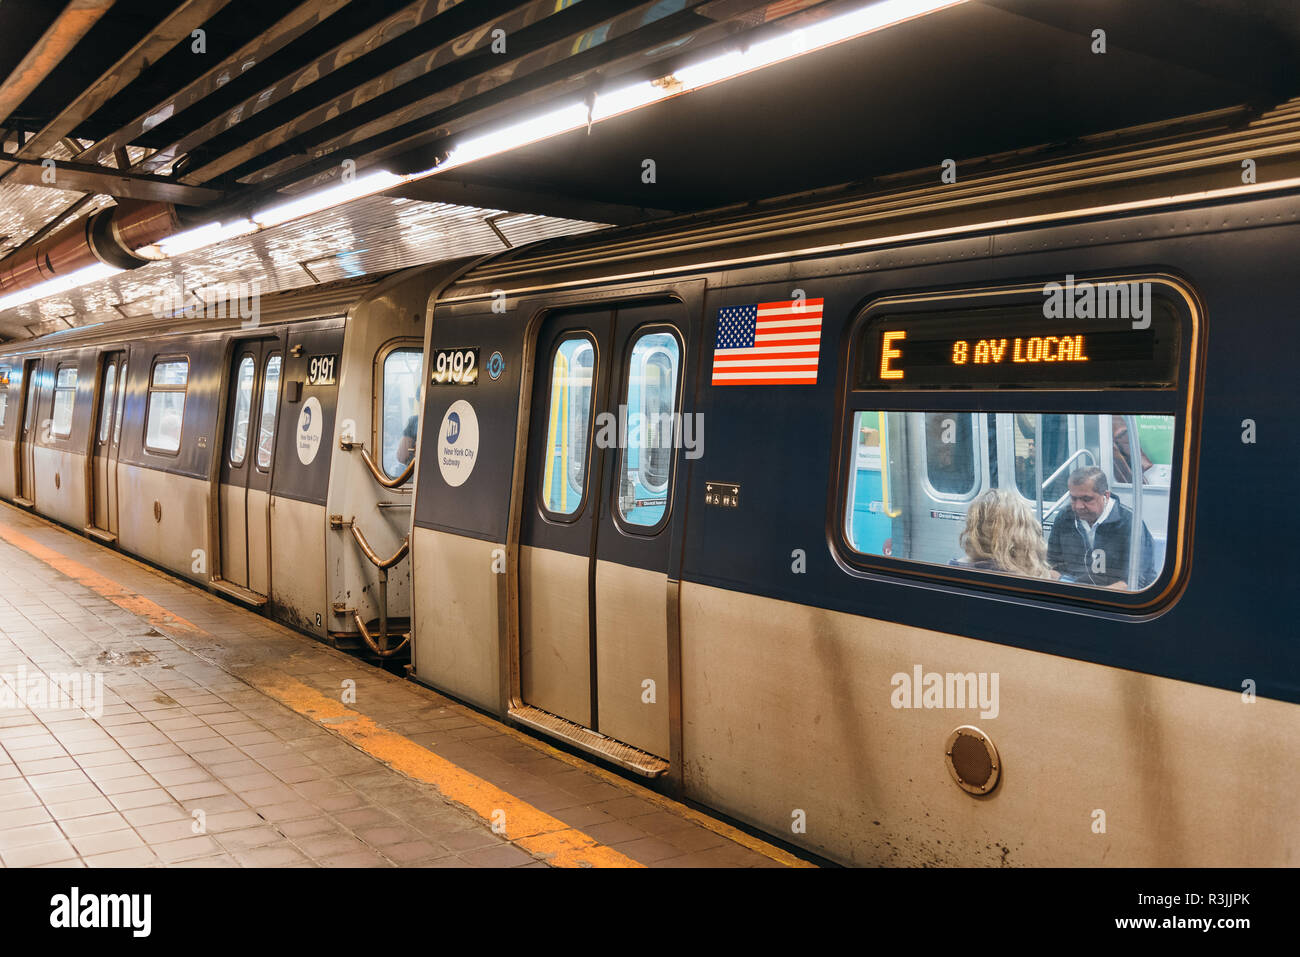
(107, 401)
(568, 425)
(650, 397)
(65, 392)
(270, 402)
(400, 422)
(243, 410)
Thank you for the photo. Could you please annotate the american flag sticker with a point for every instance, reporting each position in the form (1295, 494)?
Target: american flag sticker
(771, 343)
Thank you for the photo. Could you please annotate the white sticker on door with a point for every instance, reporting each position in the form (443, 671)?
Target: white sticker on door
(307, 436)
(458, 443)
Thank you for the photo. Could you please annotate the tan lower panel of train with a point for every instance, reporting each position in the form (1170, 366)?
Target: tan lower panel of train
(104, 496)
(234, 534)
(632, 648)
(62, 499)
(457, 615)
(7, 464)
(259, 528)
(555, 633)
(172, 540)
(298, 585)
(787, 709)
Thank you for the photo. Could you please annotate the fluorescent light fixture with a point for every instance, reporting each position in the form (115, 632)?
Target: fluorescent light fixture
(564, 119)
(815, 36)
(192, 239)
(571, 117)
(323, 199)
(57, 285)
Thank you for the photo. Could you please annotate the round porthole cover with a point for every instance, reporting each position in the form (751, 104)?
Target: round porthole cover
(973, 760)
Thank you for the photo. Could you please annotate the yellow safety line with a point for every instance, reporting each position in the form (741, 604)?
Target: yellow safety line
(160, 618)
(721, 828)
(534, 830)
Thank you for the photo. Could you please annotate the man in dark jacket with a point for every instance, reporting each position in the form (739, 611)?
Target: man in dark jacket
(1089, 543)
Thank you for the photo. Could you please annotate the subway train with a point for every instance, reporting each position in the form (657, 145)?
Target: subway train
(262, 447)
(922, 523)
(789, 616)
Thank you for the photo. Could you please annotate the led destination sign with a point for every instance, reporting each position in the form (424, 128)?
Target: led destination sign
(1017, 347)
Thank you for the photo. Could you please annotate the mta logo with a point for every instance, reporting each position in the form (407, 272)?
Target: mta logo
(453, 428)
(306, 418)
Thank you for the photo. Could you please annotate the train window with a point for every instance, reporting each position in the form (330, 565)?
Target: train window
(65, 393)
(166, 407)
(582, 366)
(950, 454)
(1022, 526)
(244, 380)
(569, 425)
(403, 370)
(651, 400)
(106, 401)
(270, 402)
(4, 395)
(121, 403)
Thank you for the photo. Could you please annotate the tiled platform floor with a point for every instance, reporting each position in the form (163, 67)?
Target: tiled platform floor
(191, 765)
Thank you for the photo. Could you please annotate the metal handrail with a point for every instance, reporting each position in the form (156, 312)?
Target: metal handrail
(381, 564)
(375, 470)
(379, 646)
(884, 467)
(1064, 465)
(384, 652)
(1135, 536)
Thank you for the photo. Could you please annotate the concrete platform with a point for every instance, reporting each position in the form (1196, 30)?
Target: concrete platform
(183, 730)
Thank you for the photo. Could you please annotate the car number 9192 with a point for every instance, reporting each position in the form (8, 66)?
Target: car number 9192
(455, 367)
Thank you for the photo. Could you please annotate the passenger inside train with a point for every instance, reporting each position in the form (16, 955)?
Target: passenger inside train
(1091, 543)
(1002, 535)
(1038, 496)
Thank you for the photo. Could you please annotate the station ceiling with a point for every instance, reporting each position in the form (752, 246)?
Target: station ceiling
(224, 105)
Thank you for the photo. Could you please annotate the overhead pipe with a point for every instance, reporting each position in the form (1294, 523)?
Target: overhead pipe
(110, 236)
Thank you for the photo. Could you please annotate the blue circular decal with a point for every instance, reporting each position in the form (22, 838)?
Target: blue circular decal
(496, 365)
(453, 428)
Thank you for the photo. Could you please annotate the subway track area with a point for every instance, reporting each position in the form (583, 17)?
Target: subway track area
(222, 739)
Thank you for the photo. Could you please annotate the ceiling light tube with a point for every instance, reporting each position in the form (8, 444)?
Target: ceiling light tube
(57, 285)
(323, 199)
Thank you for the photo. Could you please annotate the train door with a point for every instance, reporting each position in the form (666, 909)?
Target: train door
(245, 483)
(26, 473)
(108, 434)
(594, 539)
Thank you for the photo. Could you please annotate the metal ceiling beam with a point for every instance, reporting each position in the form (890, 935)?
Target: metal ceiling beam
(424, 100)
(391, 83)
(102, 179)
(410, 129)
(294, 24)
(176, 27)
(63, 34)
(386, 30)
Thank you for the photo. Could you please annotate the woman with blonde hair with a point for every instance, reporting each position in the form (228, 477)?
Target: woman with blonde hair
(1002, 535)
